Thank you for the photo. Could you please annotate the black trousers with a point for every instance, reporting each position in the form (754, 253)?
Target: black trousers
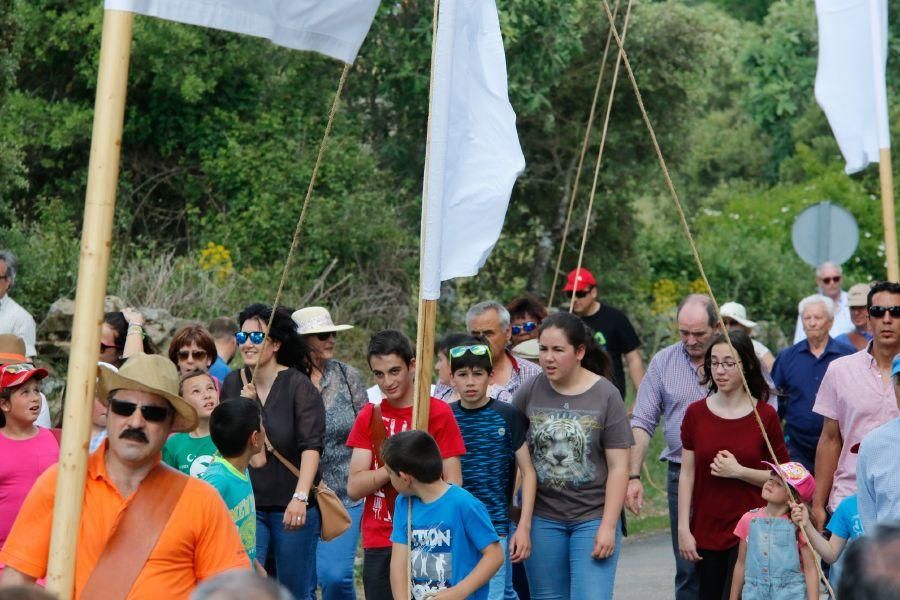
(715, 571)
(377, 573)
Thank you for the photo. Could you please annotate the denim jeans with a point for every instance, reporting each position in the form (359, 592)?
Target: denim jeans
(561, 566)
(516, 577)
(333, 562)
(687, 583)
(294, 550)
(503, 577)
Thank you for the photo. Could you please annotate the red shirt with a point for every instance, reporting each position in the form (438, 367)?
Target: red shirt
(377, 520)
(720, 502)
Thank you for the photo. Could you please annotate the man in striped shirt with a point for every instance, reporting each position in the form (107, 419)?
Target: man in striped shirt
(669, 386)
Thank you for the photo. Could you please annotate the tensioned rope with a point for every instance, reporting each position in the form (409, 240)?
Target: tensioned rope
(578, 170)
(687, 231)
(612, 95)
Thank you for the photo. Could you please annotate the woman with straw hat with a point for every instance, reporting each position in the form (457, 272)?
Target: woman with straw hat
(344, 394)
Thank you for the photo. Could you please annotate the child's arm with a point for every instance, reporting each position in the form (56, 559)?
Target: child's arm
(616, 485)
(520, 543)
(490, 563)
(810, 573)
(829, 550)
(364, 481)
(737, 576)
(399, 573)
(452, 470)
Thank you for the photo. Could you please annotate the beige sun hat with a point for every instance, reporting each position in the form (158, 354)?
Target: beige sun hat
(151, 373)
(315, 319)
(738, 312)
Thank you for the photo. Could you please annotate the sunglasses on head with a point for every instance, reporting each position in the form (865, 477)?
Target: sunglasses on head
(526, 327)
(878, 311)
(835, 279)
(255, 337)
(580, 294)
(151, 414)
(476, 349)
(324, 335)
(195, 354)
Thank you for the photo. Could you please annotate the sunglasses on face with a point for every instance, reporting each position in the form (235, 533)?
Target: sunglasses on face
(195, 354)
(526, 327)
(255, 337)
(835, 279)
(878, 311)
(476, 349)
(580, 294)
(151, 414)
(105, 347)
(326, 335)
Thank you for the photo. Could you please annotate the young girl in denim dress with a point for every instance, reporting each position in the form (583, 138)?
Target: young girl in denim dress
(774, 562)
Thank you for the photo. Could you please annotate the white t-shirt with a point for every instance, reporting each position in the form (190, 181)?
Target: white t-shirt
(15, 320)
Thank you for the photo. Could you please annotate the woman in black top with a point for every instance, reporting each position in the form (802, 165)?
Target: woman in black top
(294, 418)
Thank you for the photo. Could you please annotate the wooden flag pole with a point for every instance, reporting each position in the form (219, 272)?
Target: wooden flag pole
(427, 323)
(887, 213)
(99, 207)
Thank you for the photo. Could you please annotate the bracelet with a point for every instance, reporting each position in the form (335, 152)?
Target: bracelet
(136, 329)
(633, 477)
(302, 497)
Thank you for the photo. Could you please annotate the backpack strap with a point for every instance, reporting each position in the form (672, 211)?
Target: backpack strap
(136, 534)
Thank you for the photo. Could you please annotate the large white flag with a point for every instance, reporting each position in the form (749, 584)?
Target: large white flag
(335, 28)
(850, 84)
(474, 156)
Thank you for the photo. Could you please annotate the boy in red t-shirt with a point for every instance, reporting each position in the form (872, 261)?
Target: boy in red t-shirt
(391, 359)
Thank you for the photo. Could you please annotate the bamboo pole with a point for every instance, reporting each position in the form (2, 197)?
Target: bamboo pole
(99, 207)
(424, 362)
(887, 213)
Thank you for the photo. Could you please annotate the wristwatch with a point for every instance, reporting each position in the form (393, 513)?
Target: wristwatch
(633, 477)
(302, 497)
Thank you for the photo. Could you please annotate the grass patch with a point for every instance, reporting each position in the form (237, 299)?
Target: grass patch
(655, 514)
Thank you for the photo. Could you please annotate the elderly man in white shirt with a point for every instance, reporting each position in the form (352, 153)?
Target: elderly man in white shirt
(828, 279)
(13, 318)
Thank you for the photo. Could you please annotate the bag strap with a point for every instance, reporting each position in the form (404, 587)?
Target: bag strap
(290, 466)
(139, 528)
(349, 391)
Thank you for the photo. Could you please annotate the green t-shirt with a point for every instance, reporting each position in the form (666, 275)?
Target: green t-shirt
(236, 490)
(188, 454)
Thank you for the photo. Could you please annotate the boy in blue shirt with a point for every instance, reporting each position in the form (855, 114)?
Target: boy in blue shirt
(495, 434)
(453, 545)
(236, 429)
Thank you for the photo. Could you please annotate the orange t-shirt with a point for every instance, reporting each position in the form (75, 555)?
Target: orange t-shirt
(200, 539)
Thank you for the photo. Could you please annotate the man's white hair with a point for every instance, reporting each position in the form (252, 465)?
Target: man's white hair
(828, 265)
(817, 299)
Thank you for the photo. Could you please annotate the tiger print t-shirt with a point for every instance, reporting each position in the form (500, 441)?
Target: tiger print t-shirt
(567, 439)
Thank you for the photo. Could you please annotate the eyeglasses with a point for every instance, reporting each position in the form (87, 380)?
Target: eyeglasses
(195, 354)
(476, 349)
(526, 327)
(727, 365)
(878, 311)
(255, 337)
(7, 276)
(151, 414)
(835, 279)
(730, 322)
(580, 294)
(325, 335)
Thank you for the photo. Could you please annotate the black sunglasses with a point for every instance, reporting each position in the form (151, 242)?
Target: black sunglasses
(195, 354)
(580, 294)
(255, 337)
(151, 414)
(526, 327)
(878, 311)
(324, 335)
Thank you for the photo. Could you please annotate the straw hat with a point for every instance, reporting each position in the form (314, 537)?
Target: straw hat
(529, 350)
(154, 374)
(12, 350)
(733, 310)
(315, 319)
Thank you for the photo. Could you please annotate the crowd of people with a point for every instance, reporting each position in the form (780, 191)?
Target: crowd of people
(204, 478)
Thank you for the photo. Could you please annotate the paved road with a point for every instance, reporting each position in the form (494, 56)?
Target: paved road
(646, 569)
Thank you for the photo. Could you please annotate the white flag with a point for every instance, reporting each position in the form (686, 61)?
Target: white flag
(335, 28)
(474, 156)
(850, 85)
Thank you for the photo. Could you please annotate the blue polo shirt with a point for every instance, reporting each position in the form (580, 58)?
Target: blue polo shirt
(797, 375)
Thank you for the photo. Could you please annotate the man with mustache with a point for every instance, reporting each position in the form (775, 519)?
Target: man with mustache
(130, 498)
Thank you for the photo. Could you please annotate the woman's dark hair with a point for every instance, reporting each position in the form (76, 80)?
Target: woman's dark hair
(742, 343)
(193, 333)
(415, 453)
(389, 342)
(117, 321)
(474, 361)
(595, 360)
(294, 352)
(231, 424)
(526, 304)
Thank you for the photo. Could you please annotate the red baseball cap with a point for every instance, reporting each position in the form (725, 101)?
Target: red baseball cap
(18, 374)
(579, 280)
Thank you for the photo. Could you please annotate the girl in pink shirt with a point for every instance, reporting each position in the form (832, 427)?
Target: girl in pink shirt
(26, 450)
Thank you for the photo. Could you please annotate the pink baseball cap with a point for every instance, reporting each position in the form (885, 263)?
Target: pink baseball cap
(798, 477)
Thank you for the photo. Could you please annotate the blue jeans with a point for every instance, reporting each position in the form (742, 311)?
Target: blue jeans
(561, 566)
(687, 583)
(333, 562)
(294, 550)
(502, 579)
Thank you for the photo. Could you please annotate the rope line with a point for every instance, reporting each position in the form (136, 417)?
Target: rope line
(579, 169)
(612, 95)
(699, 262)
